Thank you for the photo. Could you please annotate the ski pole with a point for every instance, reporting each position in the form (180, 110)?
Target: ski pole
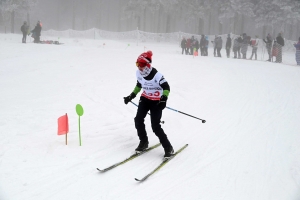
(203, 121)
(147, 113)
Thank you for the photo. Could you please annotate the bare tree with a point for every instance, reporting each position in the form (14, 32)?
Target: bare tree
(198, 10)
(27, 6)
(8, 8)
(136, 9)
(275, 14)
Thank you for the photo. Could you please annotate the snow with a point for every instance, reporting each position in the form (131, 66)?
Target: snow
(247, 149)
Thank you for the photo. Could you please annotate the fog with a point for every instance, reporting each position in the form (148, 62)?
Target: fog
(254, 17)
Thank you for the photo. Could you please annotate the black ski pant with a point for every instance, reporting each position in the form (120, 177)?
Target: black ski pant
(37, 39)
(146, 105)
(254, 53)
(202, 51)
(279, 54)
(191, 51)
(215, 51)
(228, 52)
(219, 52)
(205, 51)
(24, 38)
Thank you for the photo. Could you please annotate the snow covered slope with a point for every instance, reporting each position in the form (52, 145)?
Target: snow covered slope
(247, 150)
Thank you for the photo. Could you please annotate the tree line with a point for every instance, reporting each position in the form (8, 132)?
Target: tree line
(158, 16)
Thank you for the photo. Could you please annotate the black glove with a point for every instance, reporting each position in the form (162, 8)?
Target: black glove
(129, 98)
(162, 102)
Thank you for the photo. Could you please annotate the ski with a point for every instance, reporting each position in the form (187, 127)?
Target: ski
(165, 161)
(128, 159)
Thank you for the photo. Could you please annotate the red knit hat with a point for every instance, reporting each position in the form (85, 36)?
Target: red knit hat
(145, 59)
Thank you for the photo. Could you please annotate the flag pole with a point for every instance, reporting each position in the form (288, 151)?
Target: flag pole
(79, 111)
(79, 131)
(68, 127)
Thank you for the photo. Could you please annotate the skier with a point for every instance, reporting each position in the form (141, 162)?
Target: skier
(154, 97)
(24, 29)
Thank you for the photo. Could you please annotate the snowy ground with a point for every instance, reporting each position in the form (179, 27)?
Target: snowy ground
(247, 150)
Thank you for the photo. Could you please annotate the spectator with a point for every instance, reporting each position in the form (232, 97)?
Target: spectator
(36, 32)
(280, 44)
(24, 29)
(274, 49)
(206, 46)
(240, 40)
(196, 44)
(228, 45)
(188, 45)
(269, 42)
(244, 45)
(235, 47)
(297, 46)
(193, 45)
(214, 43)
(202, 45)
(254, 45)
(183, 45)
(219, 44)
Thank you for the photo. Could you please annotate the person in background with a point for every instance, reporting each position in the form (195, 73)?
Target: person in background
(297, 46)
(202, 44)
(215, 47)
(196, 45)
(36, 32)
(188, 46)
(235, 47)
(280, 44)
(254, 45)
(183, 45)
(193, 45)
(240, 40)
(206, 43)
(244, 45)
(219, 45)
(154, 98)
(269, 43)
(24, 29)
(228, 45)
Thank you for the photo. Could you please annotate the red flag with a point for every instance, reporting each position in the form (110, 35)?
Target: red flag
(196, 53)
(63, 125)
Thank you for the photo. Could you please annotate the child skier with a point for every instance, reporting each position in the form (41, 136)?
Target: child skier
(154, 97)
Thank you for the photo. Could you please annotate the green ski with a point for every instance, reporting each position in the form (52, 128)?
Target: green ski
(128, 159)
(162, 164)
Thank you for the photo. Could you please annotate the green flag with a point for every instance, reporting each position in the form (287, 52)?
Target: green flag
(79, 111)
